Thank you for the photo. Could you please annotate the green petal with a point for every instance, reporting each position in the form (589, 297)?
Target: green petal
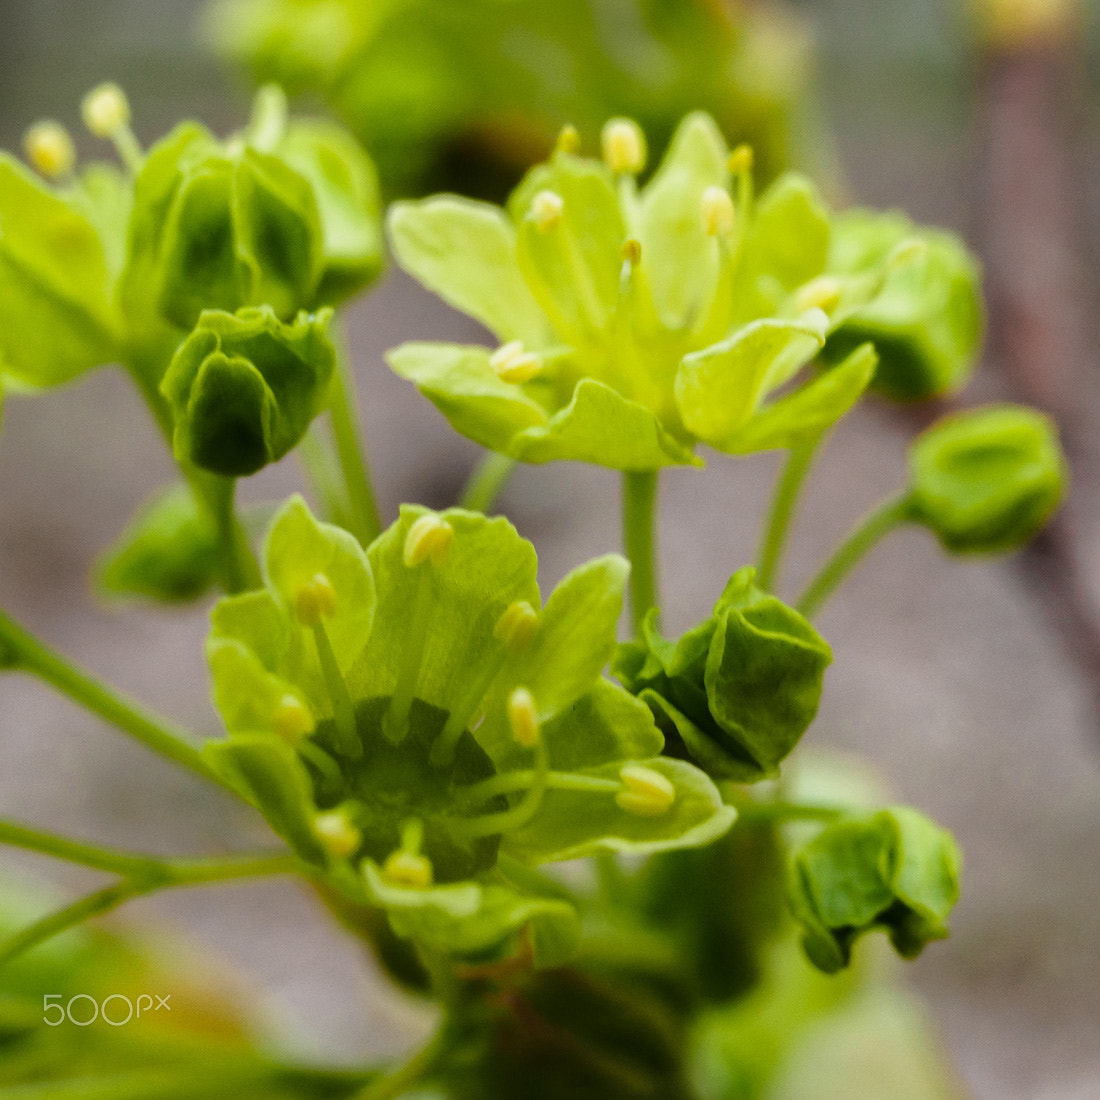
(681, 259)
(474, 921)
(489, 567)
(601, 427)
(246, 690)
(810, 409)
(269, 775)
(572, 267)
(465, 252)
(459, 381)
(719, 388)
(572, 824)
(299, 547)
(56, 313)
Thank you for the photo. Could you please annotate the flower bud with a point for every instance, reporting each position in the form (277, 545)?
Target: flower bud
(736, 692)
(894, 870)
(49, 149)
(244, 387)
(623, 146)
(986, 480)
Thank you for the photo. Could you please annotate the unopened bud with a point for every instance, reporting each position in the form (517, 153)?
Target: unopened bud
(429, 538)
(105, 110)
(645, 792)
(623, 146)
(523, 718)
(517, 625)
(404, 868)
(50, 149)
(291, 719)
(546, 210)
(337, 833)
(716, 211)
(316, 600)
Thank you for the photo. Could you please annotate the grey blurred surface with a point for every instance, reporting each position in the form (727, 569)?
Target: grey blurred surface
(945, 676)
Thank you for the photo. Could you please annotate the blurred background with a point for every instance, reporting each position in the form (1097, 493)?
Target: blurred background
(972, 688)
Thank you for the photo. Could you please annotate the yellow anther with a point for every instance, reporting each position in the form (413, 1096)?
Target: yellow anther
(513, 363)
(523, 718)
(623, 145)
(517, 626)
(716, 212)
(546, 210)
(105, 110)
(632, 252)
(404, 868)
(50, 149)
(291, 719)
(569, 141)
(429, 537)
(823, 293)
(645, 792)
(337, 833)
(906, 252)
(741, 160)
(315, 600)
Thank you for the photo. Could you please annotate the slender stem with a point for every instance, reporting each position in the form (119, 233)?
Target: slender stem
(486, 482)
(875, 526)
(401, 1080)
(241, 572)
(29, 654)
(74, 851)
(639, 498)
(783, 505)
(366, 522)
(323, 473)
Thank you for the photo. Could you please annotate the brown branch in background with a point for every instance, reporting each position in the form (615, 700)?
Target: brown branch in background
(1037, 278)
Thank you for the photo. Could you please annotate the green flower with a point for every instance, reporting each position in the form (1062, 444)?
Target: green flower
(737, 691)
(894, 870)
(408, 716)
(634, 325)
(244, 387)
(987, 480)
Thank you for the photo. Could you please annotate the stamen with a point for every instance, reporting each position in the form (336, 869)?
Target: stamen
(515, 628)
(569, 141)
(645, 792)
(429, 539)
(632, 252)
(523, 718)
(313, 754)
(49, 149)
(291, 719)
(716, 212)
(336, 832)
(546, 210)
(513, 364)
(406, 866)
(623, 145)
(106, 113)
(740, 160)
(511, 782)
(315, 600)
(822, 293)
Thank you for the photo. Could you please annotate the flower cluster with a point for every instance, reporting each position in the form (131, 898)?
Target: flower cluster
(415, 721)
(634, 324)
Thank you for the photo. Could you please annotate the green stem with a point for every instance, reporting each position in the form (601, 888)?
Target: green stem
(241, 572)
(783, 505)
(401, 1080)
(366, 523)
(323, 474)
(874, 527)
(26, 652)
(639, 498)
(486, 482)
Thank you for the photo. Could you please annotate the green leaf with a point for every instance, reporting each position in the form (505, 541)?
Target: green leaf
(810, 409)
(573, 824)
(465, 252)
(601, 427)
(681, 259)
(719, 388)
(987, 480)
(459, 381)
(244, 387)
(267, 773)
(474, 921)
(168, 553)
(893, 870)
(57, 319)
